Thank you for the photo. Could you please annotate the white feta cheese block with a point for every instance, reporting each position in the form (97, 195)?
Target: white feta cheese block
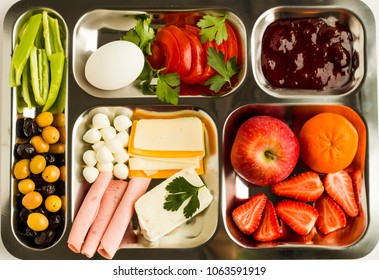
(154, 220)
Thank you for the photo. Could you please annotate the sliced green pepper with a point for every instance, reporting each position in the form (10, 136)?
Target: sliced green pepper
(25, 93)
(39, 72)
(57, 62)
(51, 34)
(21, 54)
(60, 102)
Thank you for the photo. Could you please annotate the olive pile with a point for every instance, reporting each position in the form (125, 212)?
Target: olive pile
(40, 175)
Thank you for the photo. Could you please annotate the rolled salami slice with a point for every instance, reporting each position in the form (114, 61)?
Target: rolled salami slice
(108, 205)
(111, 240)
(87, 211)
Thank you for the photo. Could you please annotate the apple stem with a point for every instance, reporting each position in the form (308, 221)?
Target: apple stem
(269, 155)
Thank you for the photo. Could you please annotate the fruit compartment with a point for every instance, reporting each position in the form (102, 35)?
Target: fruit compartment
(25, 127)
(99, 27)
(197, 230)
(237, 190)
(331, 15)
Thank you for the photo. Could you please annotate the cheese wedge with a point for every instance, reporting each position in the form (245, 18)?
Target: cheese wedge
(154, 220)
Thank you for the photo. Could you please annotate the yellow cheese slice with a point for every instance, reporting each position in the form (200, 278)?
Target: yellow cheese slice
(137, 163)
(167, 138)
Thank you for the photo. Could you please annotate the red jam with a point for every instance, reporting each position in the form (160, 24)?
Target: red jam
(308, 53)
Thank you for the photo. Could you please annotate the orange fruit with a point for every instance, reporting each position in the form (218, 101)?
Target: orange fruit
(328, 142)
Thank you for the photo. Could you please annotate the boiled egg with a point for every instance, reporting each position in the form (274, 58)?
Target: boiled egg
(114, 65)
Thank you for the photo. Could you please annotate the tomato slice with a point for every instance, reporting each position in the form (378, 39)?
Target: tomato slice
(185, 57)
(198, 57)
(157, 57)
(232, 42)
(167, 42)
(208, 70)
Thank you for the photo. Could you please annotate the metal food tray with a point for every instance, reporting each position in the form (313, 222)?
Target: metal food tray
(252, 96)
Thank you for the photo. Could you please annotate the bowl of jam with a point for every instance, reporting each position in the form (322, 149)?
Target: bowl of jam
(305, 52)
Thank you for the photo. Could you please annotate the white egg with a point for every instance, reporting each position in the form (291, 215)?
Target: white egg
(104, 155)
(100, 120)
(122, 122)
(89, 158)
(123, 137)
(121, 157)
(90, 173)
(108, 133)
(114, 65)
(121, 171)
(105, 166)
(92, 136)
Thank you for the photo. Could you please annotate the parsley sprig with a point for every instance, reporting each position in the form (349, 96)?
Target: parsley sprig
(180, 190)
(225, 70)
(213, 28)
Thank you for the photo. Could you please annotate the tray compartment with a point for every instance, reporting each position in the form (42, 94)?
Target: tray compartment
(343, 16)
(102, 26)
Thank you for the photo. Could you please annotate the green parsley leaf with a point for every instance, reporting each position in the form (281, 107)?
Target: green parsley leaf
(142, 34)
(180, 190)
(213, 28)
(226, 71)
(168, 88)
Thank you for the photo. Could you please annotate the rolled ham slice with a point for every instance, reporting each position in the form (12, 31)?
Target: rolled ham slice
(87, 211)
(116, 229)
(108, 206)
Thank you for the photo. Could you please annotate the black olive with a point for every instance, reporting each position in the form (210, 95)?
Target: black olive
(26, 150)
(20, 128)
(45, 238)
(30, 233)
(60, 159)
(42, 210)
(24, 215)
(30, 127)
(47, 189)
(37, 179)
(55, 221)
(50, 159)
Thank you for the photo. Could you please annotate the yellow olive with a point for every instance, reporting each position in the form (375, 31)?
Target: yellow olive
(32, 200)
(57, 148)
(59, 120)
(37, 164)
(37, 221)
(50, 134)
(53, 203)
(21, 169)
(39, 144)
(25, 186)
(51, 173)
(44, 119)
(62, 171)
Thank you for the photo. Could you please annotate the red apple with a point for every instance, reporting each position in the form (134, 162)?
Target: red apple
(265, 151)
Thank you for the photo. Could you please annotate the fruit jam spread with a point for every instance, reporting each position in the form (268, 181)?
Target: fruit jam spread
(308, 53)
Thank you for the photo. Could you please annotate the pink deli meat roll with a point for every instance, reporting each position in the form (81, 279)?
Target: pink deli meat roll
(115, 232)
(87, 211)
(108, 206)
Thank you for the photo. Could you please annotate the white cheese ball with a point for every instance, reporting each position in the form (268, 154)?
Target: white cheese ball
(114, 145)
(96, 146)
(121, 171)
(89, 158)
(124, 111)
(90, 173)
(108, 133)
(92, 136)
(105, 166)
(121, 157)
(104, 155)
(123, 137)
(100, 120)
(122, 122)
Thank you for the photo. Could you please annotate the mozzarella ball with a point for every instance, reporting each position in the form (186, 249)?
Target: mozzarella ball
(123, 137)
(121, 171)
(121, 157)
(98, 145)
(114, 145)
(89, 158)
(90, 173)
(108, 133)
(104, 155)
(122, 122)
(92, 136)
(100, 120)
(105, 166)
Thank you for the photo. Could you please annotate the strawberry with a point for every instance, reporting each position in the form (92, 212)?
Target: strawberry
(340, 187)
(331, 217)
(306, 186)
(248, 215)
(268, 229)
(299, 216)
(357, 180)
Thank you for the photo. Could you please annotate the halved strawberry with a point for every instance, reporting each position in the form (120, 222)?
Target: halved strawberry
(331, 217)
(268, 229)
(340, 187)
(248, 215)
(306, 186)
(299, 216)
(357, 180)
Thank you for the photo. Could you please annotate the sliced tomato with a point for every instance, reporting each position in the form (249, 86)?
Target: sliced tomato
(157, 57)
(181, 18)
(185, 57)
(232, 42)
(223, 47)
(198, 57)
(167, 42)
(208, 70)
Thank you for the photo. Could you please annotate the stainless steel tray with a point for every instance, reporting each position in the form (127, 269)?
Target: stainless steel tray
(252, 95)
